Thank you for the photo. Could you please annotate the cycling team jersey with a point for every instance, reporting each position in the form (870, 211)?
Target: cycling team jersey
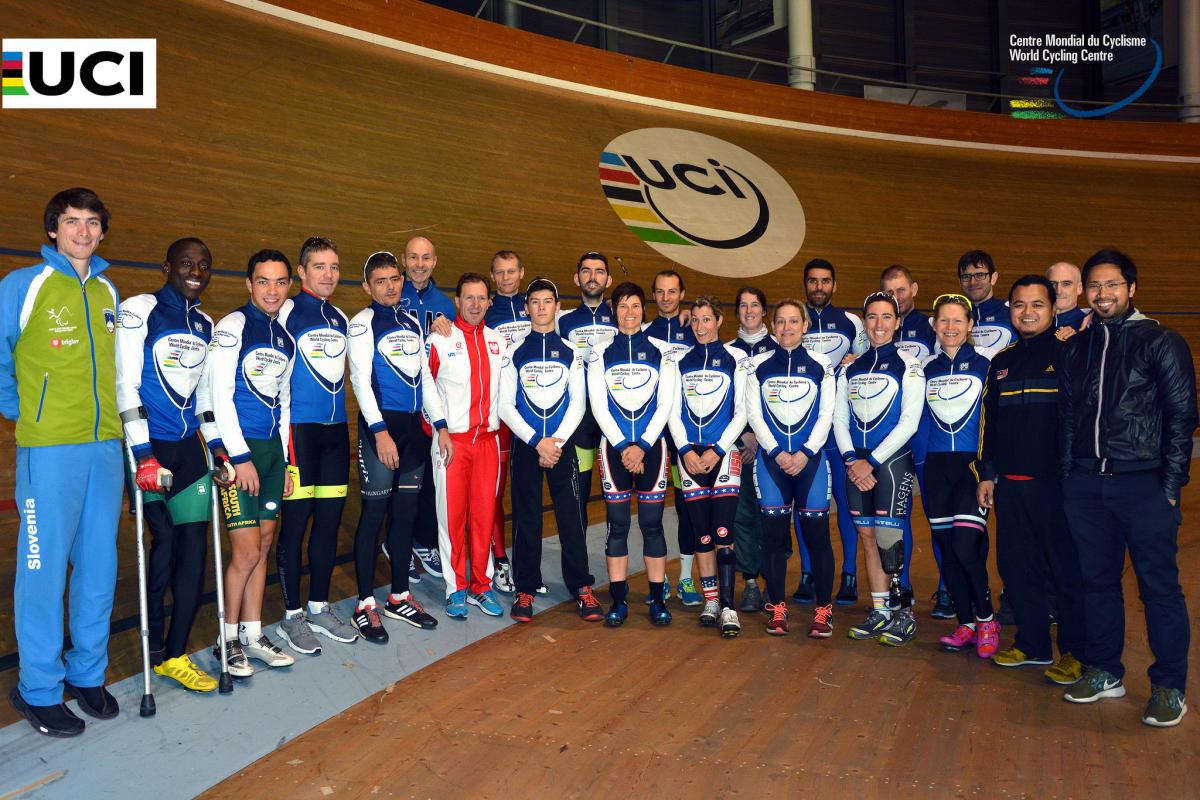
(385, 362)
(507, 316)
(789, 402)
(669, 332)
(915, 336)
(319, 378)
(755, 345)
(993, 325)
(880, 399)
(833, 333)
(1070, 319)
(542, 388)
(709, 408)
(953, 395)
(162, 343)
(630, 394)
(424, 305)
(247, 383)
(587, 327)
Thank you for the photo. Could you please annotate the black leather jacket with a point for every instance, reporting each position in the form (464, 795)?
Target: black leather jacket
(1128, 400)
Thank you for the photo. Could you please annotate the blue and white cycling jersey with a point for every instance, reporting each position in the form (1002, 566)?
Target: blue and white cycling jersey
(1070, 319)
(162, 343)
(755, 346)
(543, 388)
(915, 336)
(629, 392)
(834, 332)
(993, 325)
(880, 399)
(954, 400)
(709, 406)
(319, 378)
(386, 353)
(789, 401)
(247, 380)
(507, 316)
(587, 327)
(424, 305)
(669, 332)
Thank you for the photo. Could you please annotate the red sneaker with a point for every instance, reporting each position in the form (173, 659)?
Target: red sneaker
(777, 625)
(588, 606)
(822, 624)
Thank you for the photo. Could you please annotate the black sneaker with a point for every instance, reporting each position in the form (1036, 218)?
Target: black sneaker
(587, 606)
(410, 611)
(522, 607)
(805, 593)
(96, 701)
(752, 599)
(943, 606)
(56, 721)
(848, 592)
(369, 625)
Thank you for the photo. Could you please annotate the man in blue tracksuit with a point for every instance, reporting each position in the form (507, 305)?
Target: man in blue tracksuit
(58, 321)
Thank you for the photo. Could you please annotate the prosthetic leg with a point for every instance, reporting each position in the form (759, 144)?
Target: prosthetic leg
(903, 627)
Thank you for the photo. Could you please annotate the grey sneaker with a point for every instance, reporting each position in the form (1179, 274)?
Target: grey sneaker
(730, 626)
(330, 625)
(870, 627)
(297, 635)
(752, 599)
(1166, 707)
(708, 615)
(267, 652)
(901, 630)
(1096, 684)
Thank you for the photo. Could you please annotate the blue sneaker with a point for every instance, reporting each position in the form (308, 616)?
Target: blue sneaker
(456, 605)
(659, 614)
(487, 602)
(617, 615)
(688, 594)
(431, 560)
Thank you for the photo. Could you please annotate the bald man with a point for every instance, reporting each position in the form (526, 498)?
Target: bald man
(1069, 318)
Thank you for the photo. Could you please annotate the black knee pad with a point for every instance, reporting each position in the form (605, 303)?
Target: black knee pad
(704, 543)
(654, 543)
(616, 544)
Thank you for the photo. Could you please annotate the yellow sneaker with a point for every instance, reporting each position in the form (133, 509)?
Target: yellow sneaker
(1066, 671)
(188, 675)
(1015, 657)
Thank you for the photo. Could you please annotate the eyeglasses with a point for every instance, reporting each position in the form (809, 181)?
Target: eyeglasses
(973, 277)
(957, 299)
(1107, 286)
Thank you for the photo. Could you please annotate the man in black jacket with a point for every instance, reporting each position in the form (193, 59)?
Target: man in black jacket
(1018, 469)
(1128, 406)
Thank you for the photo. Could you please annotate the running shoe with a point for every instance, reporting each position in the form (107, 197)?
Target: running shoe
(332, 626)
(659, 615)
(870, 627)
(266, 651)
(729, 623)
(1065, 671)
(588, 606)
(502, 577)
(369, 625)
(848, 592)
(987, 640)
(822, 624)
(1166, 707)
(777, 625)
(522, 607)
(943, 606)
(1016, 657)
(805, 593)
(297, 635)
(414, 574)
(235, 658)
(543, 589)
(963, 636)
(617, 615)
(431, 559)
(752, 598)
(1096, 684)
(182, 670)
(456, 605)
(486, 601)
(708, 617)
(410, 611)
(687, 593)
(901, 630)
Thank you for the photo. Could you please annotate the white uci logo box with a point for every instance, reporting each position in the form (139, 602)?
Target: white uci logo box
(80, 73)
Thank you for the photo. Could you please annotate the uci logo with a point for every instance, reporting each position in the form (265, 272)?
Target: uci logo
(702, 202)
(80, 73)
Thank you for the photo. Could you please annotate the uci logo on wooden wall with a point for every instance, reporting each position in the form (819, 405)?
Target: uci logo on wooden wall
(702, 202)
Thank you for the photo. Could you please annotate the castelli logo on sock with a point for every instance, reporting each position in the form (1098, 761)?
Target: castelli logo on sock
(33, 547)
(702, 202)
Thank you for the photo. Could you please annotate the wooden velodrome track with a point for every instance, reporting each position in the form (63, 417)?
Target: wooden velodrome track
(268, 130)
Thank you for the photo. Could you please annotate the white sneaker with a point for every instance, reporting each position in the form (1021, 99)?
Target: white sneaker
(267, 652)
(502, 578)
(708, 616)
(730, 625)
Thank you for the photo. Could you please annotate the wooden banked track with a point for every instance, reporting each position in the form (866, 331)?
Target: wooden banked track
(270, 129)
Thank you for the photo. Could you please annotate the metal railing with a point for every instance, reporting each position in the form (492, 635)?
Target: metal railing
(837, 76)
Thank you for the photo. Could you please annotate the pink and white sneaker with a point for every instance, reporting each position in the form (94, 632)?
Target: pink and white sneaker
(987, 640)
(963, 635)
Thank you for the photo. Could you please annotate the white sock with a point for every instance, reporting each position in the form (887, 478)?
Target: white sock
(685, 567)
(231, 631)
(250, 631)
(971, 625)
(398, 598)
(368, 603)
(292, 613)
(988, 618)
(315, 608)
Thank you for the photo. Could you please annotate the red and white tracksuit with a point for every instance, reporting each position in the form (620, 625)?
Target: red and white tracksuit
(461, 388)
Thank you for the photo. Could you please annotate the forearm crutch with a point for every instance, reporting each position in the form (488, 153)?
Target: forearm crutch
(147, 707)
(225, 681)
